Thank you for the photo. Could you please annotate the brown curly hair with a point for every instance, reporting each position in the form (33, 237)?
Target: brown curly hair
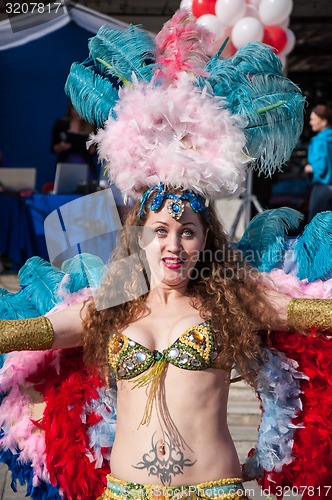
(224, 289)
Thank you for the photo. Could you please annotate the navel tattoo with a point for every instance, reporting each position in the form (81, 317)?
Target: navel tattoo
(164, 460)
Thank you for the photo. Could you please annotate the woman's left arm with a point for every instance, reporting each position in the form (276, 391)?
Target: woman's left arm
(301, 315)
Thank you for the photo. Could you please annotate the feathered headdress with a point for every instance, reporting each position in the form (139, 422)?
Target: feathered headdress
(169, 113)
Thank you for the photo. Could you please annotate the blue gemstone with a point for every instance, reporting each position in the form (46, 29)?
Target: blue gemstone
(175, 207)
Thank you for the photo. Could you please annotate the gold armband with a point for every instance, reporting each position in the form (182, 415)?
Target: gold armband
(33, 334)
(305, 314)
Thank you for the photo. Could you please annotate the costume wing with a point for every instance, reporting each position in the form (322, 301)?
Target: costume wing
(293, 452)
(57, 420)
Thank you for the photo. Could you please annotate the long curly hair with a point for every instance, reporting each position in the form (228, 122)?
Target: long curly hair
(223, 288)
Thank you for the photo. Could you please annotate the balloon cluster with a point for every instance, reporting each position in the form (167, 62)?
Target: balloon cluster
(245, 21)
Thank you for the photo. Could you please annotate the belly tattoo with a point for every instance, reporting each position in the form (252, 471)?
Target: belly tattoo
(164, 461)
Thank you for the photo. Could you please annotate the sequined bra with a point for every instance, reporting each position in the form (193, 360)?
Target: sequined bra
(195, 349)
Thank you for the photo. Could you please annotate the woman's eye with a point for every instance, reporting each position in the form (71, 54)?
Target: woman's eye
(161, 231)
(188, 232)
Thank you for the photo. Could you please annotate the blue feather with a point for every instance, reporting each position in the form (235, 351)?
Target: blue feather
(269, 105)
(255, 88)
(92, 95)
(279, 390)
(313, 249)
(2, 360)
(85, 271)
(16, 305)
(23, 472)
(40, 281)
(263, 242)
(126, 52)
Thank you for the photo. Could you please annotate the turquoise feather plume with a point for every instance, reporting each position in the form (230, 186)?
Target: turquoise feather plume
(125, 52)
(40, 281)
(269, 105)
(313, 249)
(263, 242)
(16, 306)
(92, 94)
(115, 56)
(255, 88)
(85, 270)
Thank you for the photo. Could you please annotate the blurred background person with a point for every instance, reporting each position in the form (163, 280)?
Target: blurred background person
(319, 164)
(69, 136)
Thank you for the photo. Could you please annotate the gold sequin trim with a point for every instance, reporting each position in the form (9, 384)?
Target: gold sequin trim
(31, 334)
(305, 314)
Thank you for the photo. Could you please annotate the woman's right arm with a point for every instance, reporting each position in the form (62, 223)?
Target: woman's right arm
(59, 330)
(67, 326)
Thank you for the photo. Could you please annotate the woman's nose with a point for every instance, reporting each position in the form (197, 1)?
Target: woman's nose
(174, 242)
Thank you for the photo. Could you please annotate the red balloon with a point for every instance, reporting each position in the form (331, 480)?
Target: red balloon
(201, 7)
(275, 36)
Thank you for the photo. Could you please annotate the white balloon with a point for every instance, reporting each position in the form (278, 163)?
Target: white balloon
(229, 50)
(285, 23)
(186, 4)
(274, 11)
(290, 42)
(230, 11)
(251, 11)
(213, 24)
(247, 29)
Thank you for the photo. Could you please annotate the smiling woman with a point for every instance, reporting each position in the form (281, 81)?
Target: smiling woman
(176, 245)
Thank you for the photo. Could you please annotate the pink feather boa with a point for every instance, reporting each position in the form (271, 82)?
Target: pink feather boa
(16, 409)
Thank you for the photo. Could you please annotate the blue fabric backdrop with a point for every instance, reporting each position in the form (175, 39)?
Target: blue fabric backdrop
(32, 96)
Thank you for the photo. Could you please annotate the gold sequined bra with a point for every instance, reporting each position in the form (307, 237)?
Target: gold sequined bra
(195, 349)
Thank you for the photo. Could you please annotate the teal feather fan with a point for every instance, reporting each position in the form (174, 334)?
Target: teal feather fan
(269, 105)
(92, 95)
(124, 52)
(255, 88)
(42, 285)
(253, 59)
(115, 56)
(39, 282)
(313, 249)
(85, 270)
(264, 241)
(16, 306)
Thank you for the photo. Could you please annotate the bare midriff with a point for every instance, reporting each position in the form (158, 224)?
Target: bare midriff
(196, 401)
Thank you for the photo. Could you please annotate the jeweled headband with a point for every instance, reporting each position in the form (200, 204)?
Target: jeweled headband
(175, 205)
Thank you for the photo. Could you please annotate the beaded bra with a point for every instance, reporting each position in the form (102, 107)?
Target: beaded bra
(195, 349)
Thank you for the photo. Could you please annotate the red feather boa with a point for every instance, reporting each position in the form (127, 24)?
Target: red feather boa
(312, 464)
(66, 437)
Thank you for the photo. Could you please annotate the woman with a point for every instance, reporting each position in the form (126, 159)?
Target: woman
(201, 315)
(177, 307)
(320, 160)
(170, 447)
